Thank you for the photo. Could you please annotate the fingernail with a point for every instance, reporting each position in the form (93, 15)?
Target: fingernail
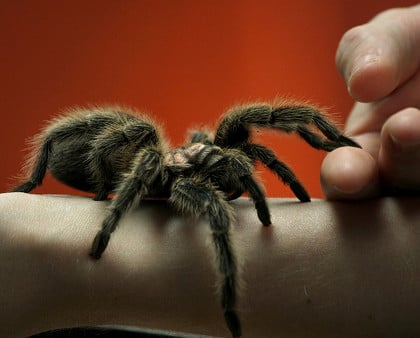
(362, 62)
(354, 189)
(406, 144)
(365, 60)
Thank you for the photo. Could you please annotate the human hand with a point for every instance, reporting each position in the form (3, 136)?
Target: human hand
(380, 63)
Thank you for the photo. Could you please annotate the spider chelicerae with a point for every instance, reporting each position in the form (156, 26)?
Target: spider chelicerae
(106, 150)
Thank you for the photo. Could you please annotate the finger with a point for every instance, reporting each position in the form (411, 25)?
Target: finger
(377, 57)
(399, 156)
(370, 117)
(349, 173)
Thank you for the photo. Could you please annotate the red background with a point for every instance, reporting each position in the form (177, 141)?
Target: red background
(185, 62)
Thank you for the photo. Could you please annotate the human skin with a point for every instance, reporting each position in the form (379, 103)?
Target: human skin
(380, 64)
(322, 269)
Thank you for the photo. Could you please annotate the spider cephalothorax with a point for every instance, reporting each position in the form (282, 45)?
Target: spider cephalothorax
(110, 150)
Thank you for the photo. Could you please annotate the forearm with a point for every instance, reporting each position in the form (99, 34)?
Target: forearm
(322, 269)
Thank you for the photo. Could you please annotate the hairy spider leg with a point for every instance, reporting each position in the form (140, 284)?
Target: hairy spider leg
(39, 170)
(42, 143)
(241, 166)
(234, 169)
(234, 132)
(193, 196)
(234, 127)
(200, 136)
(269, 159)
(234, 195)
(318, 143)
(121, 142)
(331, 132)
(296, 118)
(146, 169)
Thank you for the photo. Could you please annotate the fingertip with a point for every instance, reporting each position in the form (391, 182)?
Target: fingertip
(400, 150)
(372, 78)
(402, 130)
(377, 57)
(349, 173)
(364, 63)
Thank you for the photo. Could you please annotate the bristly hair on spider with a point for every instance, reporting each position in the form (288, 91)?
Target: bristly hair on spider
(106, 150)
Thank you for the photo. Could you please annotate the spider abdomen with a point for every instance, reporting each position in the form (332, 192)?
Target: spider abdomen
(71, 162)
(67, 163)
(89, 150)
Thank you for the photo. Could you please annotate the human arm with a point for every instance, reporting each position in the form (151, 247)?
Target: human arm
(322, 269)
(380, 63)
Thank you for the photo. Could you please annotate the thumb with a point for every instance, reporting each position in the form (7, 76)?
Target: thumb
(377, 57)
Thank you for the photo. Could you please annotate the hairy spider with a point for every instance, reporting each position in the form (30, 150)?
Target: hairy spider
(107, 150)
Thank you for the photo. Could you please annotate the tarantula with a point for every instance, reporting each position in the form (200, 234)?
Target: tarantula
(107, 150)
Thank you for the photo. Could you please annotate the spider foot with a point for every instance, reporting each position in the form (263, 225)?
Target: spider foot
(346, 141)
(300, 192)
(263, 212)
(101, 196)
(233, 323)
(99, 244)
(24, 187)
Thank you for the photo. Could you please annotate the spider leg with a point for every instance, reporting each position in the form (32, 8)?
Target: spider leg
(41, 148)
(258, 197)
(196, 197)
(319, 143)
(241, 166)
(235, 171)
(39, 170)
(234, 129)
(113, 143)
(146, 169)
(236, 194)
(200, 136)
(331, 132)
(269, 159)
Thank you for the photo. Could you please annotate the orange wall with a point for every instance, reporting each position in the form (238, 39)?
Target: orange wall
(183, 61)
